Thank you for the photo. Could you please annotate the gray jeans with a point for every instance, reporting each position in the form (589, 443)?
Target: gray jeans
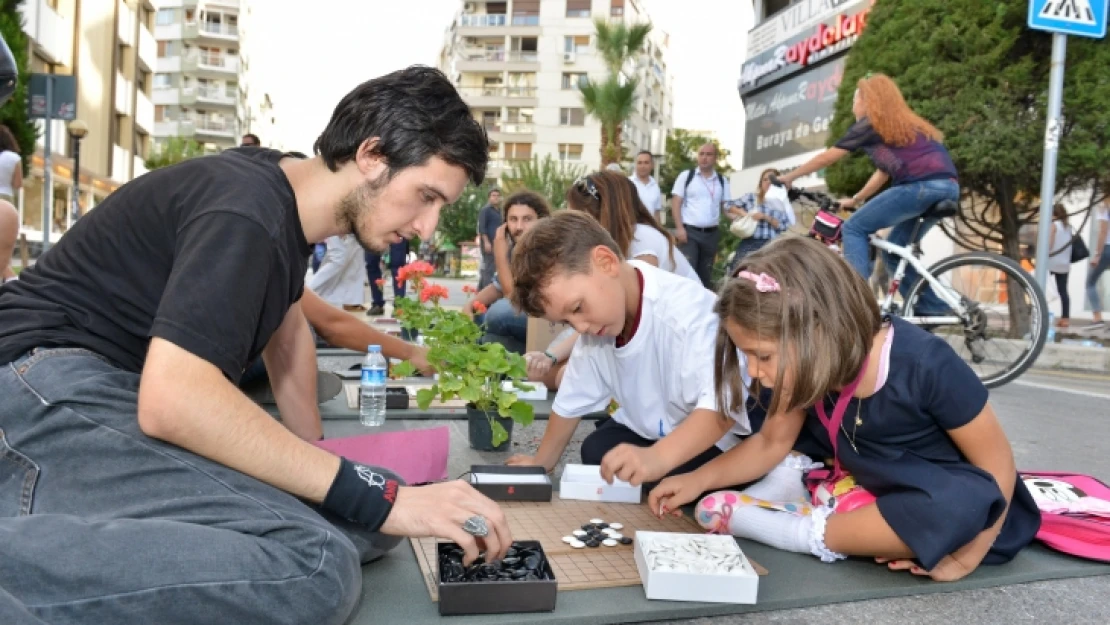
(101, 524)
(700, 249)
(486, 271)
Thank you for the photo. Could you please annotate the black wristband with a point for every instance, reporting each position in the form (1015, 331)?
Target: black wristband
(361, 494)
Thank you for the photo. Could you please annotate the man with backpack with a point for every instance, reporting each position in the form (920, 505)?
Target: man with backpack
(696, 202)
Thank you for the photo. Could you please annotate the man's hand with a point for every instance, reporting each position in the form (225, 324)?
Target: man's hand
(539, 364)
(632, 464)
(439, 510)
(419, 359)
(468, 309)
(675, 492)
(680, 234)
(501, 238)
(486, 247)
(520, 460)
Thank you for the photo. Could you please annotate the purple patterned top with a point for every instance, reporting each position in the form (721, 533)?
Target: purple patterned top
(924, 159)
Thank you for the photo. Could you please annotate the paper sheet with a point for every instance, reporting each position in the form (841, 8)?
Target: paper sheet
(416, 455)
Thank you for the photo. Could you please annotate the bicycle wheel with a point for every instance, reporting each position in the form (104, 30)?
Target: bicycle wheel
(1005, 324)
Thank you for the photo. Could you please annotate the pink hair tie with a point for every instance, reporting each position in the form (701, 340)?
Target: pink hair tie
(763, 282)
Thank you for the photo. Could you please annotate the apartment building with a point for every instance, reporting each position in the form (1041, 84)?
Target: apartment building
(199, 89)
(109, 47)
(518, 64)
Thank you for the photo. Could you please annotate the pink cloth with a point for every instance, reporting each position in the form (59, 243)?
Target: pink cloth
(416, 455)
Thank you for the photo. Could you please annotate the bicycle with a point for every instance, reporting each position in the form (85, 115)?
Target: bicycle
(1004, 326)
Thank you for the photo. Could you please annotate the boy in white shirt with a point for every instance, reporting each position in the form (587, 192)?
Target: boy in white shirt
(647, 341)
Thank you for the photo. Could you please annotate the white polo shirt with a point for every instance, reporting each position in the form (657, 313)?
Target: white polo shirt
(701, 205)
(663, 373)
(649, 193)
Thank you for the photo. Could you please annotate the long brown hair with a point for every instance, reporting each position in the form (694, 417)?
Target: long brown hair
(890, 116)
(824, 318)
(1059, 213)
(7, 140)
(616, 206)
(760, 194)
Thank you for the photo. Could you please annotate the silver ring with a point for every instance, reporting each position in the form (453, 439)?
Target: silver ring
(476, 526)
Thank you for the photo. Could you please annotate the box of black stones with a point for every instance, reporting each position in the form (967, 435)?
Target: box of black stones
(522, 582)
(506, 483)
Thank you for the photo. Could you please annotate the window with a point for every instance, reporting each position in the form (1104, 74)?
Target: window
(169, 49)
(573, 80)
(163, 81)
(159, 113)
(578, 43)
(616, 8)
(572, 117)
(570, 151)
(165, 17)
(232, 90)
(578, 8)
(141, 79)
(518, 151)
(525, 12)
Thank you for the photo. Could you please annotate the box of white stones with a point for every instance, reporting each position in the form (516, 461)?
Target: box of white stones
(583, 481)
(694, 567)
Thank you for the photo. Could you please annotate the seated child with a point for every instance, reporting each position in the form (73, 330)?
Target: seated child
(646, 340)
(922, 478)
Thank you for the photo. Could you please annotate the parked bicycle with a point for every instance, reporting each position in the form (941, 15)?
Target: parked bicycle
(999, 314)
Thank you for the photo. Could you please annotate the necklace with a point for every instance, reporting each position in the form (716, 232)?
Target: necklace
(855, 425)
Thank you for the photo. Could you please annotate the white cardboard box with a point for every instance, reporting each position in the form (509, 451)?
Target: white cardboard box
(741, 587)
(582, 481)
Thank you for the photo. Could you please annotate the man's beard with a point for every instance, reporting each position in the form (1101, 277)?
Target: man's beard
(358, 206)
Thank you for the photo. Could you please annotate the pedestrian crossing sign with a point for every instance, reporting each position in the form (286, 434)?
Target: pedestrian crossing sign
(1086, 18)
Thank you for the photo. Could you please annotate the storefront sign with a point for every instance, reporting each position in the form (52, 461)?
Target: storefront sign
(823, 42)
(792, 117)
(792, 21)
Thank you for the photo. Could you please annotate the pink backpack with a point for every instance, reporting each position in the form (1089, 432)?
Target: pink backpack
(1075, 513)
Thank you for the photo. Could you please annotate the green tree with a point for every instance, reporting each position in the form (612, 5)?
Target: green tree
(14, 113)
(548, 177)
(173, 151)
(458, 222)
(613, 99)
(976, 71)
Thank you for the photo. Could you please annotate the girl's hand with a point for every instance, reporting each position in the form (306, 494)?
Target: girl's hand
(632, 464)
(847, 202)
(673, 493)
(949, 569)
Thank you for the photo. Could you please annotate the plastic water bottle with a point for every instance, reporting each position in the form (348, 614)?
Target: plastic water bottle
(1051, 328)
(371, 405)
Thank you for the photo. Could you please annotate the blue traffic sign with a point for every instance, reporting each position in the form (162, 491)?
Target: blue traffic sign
(1086, 18)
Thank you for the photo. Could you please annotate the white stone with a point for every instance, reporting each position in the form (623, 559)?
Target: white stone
(577, 544)
(596, 521)
(616, 526)
(609, 542)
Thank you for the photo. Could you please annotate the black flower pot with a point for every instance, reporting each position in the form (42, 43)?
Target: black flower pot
(481, 431)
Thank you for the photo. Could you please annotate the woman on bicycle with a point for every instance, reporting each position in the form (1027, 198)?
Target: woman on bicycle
(906, 151)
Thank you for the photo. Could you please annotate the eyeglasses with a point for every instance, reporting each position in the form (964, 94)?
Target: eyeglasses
(587, 186)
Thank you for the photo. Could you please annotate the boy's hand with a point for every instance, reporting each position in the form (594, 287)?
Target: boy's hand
(521, 460)
(673, 493)
(632, 464)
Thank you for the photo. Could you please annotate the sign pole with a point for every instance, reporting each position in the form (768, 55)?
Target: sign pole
(1053, 128)
(47, 182)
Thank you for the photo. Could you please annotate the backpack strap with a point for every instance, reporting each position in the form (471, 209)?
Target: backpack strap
(690, 177)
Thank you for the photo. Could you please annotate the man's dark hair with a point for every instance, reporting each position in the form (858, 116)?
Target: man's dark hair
(531, 199)
(492, 191)
(254, 141)
(652, 156)
(415, 114)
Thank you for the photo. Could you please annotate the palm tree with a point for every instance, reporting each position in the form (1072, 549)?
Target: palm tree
(613, 99)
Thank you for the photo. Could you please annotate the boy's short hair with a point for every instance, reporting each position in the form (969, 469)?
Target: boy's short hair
(561, 243)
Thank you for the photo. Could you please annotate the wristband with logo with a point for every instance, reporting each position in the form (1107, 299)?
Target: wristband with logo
(361, 494)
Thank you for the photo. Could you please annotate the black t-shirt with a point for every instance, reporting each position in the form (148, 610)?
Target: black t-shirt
(208, 254)
(922, 160)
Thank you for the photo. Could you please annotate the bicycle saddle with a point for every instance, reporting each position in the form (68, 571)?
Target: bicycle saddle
(941, 210)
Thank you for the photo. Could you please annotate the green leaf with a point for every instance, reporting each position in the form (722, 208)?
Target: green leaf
(522, 412)
(470, 393)
(451, 384)
(498, 432)
(404, 369)
(425, 396)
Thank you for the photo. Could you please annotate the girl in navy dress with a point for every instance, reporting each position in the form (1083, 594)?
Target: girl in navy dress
(919, 476)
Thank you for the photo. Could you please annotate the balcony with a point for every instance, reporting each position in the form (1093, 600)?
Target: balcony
(121, 164)
(169, 96)
(140, 167)
(511, 132)
(214, 127)
(469, 20)
(123, 95)
(494, 96)
(215, 95)
(125, 25)
(219, 64)
(51, 34)
(217, 30)
(526, 20)
(148, 48)
(144, 111)
(174, 128)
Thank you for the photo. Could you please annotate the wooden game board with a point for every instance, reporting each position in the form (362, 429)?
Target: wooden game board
(575, 569)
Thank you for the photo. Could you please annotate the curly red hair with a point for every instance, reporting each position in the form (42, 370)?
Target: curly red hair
(890, 116)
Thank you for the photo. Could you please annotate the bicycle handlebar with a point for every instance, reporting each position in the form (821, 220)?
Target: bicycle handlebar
(822, 200)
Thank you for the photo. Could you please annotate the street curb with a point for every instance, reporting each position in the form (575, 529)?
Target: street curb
(1062, 356)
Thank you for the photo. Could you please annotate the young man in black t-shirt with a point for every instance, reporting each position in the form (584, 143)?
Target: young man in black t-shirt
(137, 483)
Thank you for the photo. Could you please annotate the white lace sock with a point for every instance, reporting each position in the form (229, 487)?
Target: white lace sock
(783, 484)
(782, 530)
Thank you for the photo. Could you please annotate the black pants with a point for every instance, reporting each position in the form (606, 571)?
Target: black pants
(1062, 289)
(609, 434)
(700, 249)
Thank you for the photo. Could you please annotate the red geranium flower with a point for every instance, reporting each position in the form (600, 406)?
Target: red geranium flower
(479, 308)
(434, 292)
(380, 282)
(469, 288)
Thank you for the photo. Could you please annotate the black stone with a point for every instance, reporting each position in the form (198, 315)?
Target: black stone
(589, 528)
(601, 526)
(593, 543)
(625, 540)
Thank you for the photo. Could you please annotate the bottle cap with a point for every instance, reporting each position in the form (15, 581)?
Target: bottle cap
(374, 349)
